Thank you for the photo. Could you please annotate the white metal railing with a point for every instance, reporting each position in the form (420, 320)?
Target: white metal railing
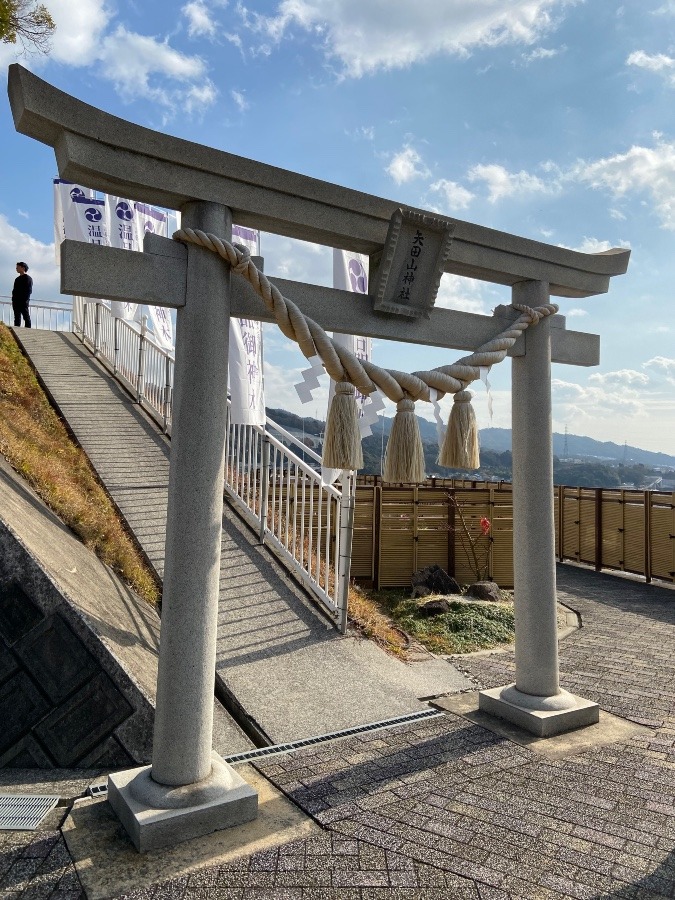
(49, 317)
(309, 525)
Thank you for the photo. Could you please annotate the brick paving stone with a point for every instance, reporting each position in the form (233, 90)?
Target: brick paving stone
(445, 809)
(273, 893)
(485, 892)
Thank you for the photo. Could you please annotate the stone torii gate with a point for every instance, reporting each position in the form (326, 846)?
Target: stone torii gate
(189, 790)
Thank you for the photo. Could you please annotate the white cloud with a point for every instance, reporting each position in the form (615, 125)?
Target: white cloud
(454, 195)
(297, 260)
(198, 97)
(647, 170)
(363, 132)
(234, 39)
(18, 245)
(240, 100)
(502, 183)
(666, 363)
(367, 37)
(574, 313)
(406, 165)
(542, 53)
(79, 27)
(200, 24)
(596, 402)
(628, 377)
(663, 365)
(594, 245)
(465, 294)
(616, 410)
(657, 62)
(139, 65)
(9, 53)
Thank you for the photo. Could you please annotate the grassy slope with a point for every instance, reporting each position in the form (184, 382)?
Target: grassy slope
(35, 442)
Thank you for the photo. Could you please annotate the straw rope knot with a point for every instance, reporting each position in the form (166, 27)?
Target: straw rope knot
(463, 397)
(533, 314)
(405, 405)
(241, 268)
(344, 387)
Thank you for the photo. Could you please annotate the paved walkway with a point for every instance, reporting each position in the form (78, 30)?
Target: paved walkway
(449, 809)
(294, 676)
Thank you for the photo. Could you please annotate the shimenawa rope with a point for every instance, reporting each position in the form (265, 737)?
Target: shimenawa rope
(404, 460)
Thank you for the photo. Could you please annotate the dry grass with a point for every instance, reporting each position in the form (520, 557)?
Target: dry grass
(368, 617)
(35, 442)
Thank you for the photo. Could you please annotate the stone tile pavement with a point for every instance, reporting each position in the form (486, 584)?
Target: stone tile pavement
(36, 865)
(446, 809)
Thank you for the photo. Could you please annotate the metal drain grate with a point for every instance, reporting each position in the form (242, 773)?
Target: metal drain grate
(347, 732)
(24, 812)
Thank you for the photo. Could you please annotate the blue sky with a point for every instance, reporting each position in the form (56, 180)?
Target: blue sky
(545, 118)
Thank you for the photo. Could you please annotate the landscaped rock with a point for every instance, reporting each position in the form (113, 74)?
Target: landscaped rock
(435, 607)
(433, 580)
(484, 590)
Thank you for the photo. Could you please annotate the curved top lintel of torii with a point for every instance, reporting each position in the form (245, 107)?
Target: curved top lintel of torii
(110, 154)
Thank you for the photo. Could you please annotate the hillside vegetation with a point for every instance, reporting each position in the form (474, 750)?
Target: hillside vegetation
(37, 445)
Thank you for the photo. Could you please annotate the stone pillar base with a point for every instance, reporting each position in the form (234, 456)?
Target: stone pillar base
(156, 815)
(541, 716)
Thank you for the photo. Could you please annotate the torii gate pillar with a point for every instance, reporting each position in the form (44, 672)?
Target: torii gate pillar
(535, 701)
(189, 790)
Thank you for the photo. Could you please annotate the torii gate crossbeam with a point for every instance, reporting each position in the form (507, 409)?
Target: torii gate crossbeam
(187, 791)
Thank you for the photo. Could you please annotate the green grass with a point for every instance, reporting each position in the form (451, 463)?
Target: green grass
(465, 628)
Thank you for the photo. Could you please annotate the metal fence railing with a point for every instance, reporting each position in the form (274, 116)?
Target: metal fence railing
(306, 523)
(49, 317)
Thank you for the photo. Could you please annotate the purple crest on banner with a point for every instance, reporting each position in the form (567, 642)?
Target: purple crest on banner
(357, 277)
(76, 192)
(93, 215)
(124, 211)
(149, 227)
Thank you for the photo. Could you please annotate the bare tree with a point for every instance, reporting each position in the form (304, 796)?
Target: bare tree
(27, 23)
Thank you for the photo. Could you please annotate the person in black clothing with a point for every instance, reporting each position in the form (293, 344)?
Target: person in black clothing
(23, 288)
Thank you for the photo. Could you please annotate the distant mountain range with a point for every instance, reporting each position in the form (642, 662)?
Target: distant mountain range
(579, 447)
(499, 439)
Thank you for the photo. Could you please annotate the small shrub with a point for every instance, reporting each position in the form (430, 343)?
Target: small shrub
(464, 628)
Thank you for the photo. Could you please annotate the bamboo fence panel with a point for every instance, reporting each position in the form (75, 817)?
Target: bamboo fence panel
(661, 535)
(402, 528)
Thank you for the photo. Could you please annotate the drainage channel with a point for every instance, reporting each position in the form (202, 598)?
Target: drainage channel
(24, 812)
(292, 746)
(27, 811)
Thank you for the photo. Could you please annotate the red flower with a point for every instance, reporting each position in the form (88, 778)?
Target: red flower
(485, 525)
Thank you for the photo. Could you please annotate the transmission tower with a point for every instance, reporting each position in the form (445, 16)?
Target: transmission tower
(566, 449)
